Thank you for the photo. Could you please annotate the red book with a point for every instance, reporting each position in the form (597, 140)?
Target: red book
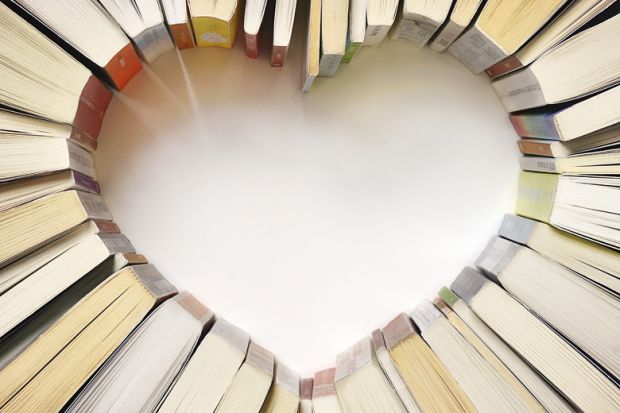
(278, 55)
(123, 66)
(94, 101)
(251, 44)
(182, 35)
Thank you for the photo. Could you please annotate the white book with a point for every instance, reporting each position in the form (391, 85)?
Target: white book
(463, 12)
(418, 20)
(485, 387)
(360, 383)
(210, 371)
(380, 16)
(137, 376)
(579, 380)
(334, 24)
(540, 388)
(582, 312)
(324, 398)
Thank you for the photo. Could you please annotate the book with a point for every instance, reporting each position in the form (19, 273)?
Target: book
(324, 397)
(432, 386)
(310, 66)
(35, 71)
(284, 394)
(143, 21)
(22, 268)
(27, 227)
(210, 371)
(42, 285)
(487, 354)
(580, 119)
(305, 403)
(14, 343)
(13, 124)
(483, 385)
(357, 29)
(178, 22)
(575, 307)
(577, 14)
(546, 81)
(252, 22)
(27, 156)
(215, 22)
(249, 387)
(539, 387)
(88, 28)
(389, 369)
(334, 24)
(282, 29)
(583, 205)
(487, 40)
(592, 261)
(360, 383)
(380, 16)
(602, 162)
(462, 14)
(48, 373)
(419, 20)
(20, 192)
(137, 376)
(550, 354)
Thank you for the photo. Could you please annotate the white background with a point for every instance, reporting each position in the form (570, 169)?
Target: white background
(308, 220)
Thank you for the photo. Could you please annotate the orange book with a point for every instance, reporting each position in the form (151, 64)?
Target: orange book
(123, 66)
(94, 101)
(182, 36)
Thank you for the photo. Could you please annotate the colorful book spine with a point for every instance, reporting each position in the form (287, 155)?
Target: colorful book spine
(351, 51)
(539, 125)
(94, 102)
(123, 66)
(210, 31)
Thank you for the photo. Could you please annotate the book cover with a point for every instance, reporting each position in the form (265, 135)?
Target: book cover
(182, 35)
(211, 31)
(536, 125)
(123, 66)
(94, 101)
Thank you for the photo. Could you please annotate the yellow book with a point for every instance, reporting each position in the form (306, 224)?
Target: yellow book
(536, 195)
(215, 22)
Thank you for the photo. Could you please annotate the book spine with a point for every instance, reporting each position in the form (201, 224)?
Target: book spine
(154, 282)
(448, 296)
(182, 35)
(517, 229)
(328, 65)
(397, 330)
(467, 284)
(210, 31)
(123, 66)
(535, 147)
(133, 258)
(404, 29)
(540, 126)
(260, 358)
(425, 314)
(85, 183)
(236, 337)
(117, 243)
(107, 227)
(94, 206)
(422, 30)
(305, 404)
(496, 256)
(83, 139)
(378, 341)
(506, 65)
(93, 103)
(475, 50)
(278, 55)
(153, 42)
(536, 195)
(354, 358)
(323, 384)
(442, 306)
(251, 44)
(81, 160)
(196, 309)
(446, 36)
(519, 91)
(539, 164)
(351, 51)
(288, 379)
(375, 34)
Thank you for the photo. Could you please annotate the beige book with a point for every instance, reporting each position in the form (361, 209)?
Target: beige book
(507, 376)
(305, 404)
(432, 386)
(378, 20)
(334, 24)
(595, 262)
(324, 397)
(538, 386)
(249, 388)
(500, 29)
(390, 371)
(360, 383)
(463, 12)
(418, 20)
(573, 375)
(310, 67)
(47, 374)
(29, 226)
(210, 371)
(284, 394)
(582, 312)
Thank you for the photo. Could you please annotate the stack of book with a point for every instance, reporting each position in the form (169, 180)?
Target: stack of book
(87, 324)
